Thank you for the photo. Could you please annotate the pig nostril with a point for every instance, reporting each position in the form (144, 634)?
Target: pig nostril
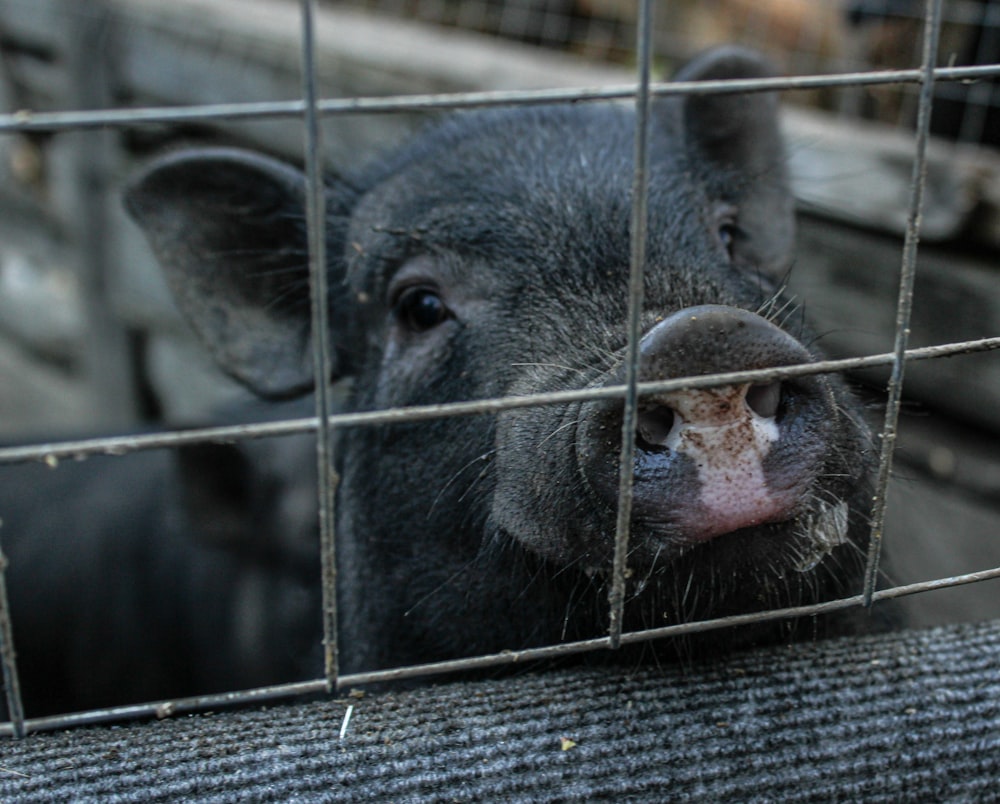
(764, 399)
(653, 427)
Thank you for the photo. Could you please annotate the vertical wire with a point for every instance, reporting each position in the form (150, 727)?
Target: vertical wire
(616, 596)
(932, 30)
(322, 367)
(11, 683)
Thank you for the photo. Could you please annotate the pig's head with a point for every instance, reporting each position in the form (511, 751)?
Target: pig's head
(490, 257)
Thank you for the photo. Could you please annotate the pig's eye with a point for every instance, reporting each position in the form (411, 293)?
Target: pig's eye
(729, 234)
(420, 309)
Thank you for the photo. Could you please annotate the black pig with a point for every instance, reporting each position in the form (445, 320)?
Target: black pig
(165, 573)
(489, 257)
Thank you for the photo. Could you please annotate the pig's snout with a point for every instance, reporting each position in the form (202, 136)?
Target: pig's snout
(665, 421)
(715, 460)
(707, 340)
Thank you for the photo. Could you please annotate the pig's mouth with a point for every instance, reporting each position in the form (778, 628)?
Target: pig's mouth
(757, 568)
(803, 540)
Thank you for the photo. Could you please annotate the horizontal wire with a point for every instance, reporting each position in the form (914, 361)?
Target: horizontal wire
(54, 452)
(26, 120)
(163, 709)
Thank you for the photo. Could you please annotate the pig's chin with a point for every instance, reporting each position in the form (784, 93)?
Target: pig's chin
(796, 545)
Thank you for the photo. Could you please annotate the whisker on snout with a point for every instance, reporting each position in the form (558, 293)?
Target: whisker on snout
(477, 460)
(558, 430)
(545, 365)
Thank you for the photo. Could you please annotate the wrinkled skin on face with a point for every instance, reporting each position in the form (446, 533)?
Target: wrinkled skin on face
(490, 257)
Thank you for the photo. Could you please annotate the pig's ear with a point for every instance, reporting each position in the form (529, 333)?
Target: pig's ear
(228, 228)
(737, 139)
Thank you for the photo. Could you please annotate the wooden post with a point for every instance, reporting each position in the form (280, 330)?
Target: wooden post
(106, 360)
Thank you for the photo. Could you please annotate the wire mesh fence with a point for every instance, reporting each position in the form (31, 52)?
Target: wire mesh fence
(623, 30)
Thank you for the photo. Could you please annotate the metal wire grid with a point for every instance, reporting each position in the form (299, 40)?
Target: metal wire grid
(312, 110)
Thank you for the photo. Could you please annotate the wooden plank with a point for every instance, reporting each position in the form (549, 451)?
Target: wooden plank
(849, 280)
(860, 173)
(105, 365)
(30, 22)
(42, 401)
(934, 531)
